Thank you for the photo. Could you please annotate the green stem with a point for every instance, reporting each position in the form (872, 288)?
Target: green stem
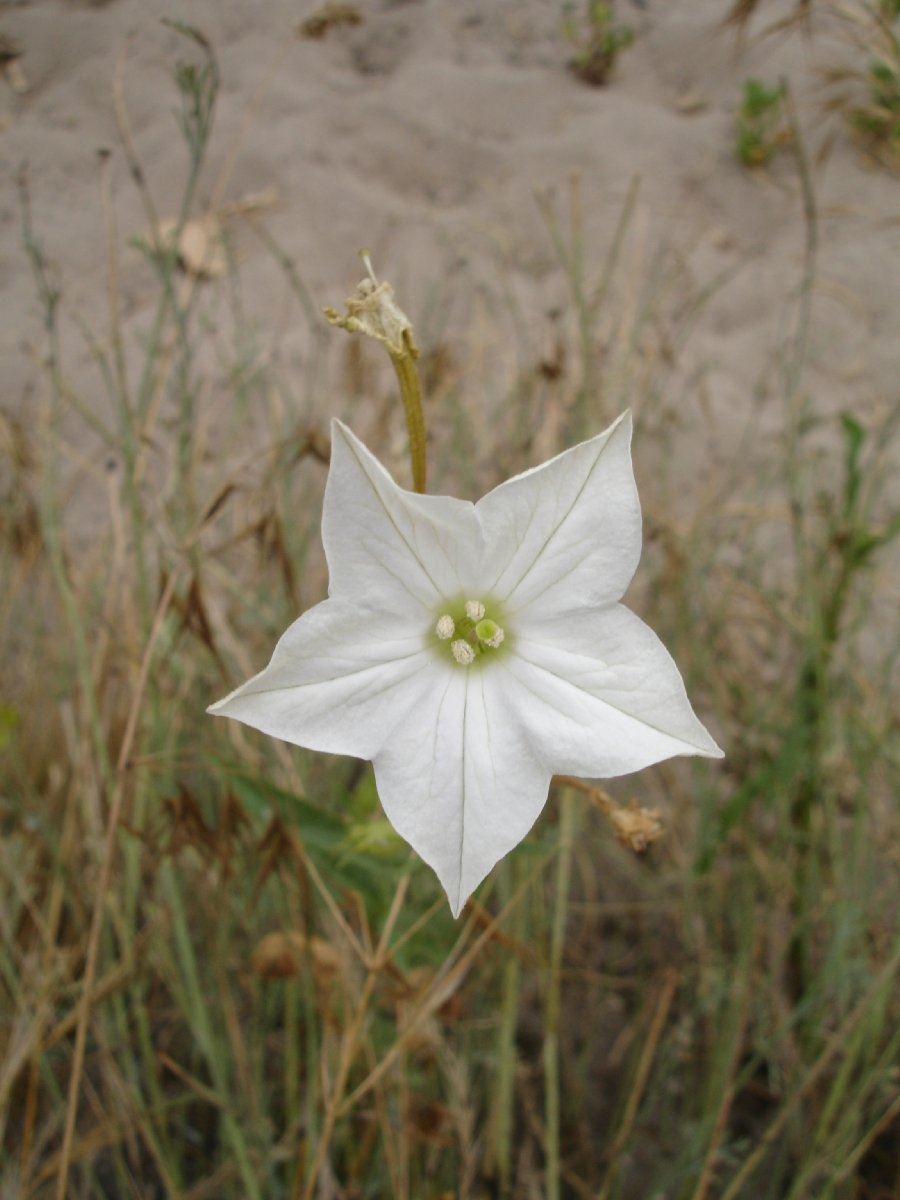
(501, 1145)
(551, 1014)
(200, 1014)
(411, 393)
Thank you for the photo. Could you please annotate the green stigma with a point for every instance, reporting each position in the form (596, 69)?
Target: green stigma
(489, 632)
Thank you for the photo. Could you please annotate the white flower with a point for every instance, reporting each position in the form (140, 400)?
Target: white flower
(472, 651)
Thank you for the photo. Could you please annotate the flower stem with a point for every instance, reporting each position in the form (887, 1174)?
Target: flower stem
(411, 394)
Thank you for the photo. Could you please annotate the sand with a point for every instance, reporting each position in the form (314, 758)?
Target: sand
(425, 133)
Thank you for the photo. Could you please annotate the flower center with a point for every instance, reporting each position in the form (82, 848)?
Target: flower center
(466, 633)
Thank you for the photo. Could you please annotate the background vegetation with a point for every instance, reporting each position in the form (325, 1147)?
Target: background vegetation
(221, 973)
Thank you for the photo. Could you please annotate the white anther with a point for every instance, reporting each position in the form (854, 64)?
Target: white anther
(474, 610)
(445, 627)
(462, 652)
(495, 639)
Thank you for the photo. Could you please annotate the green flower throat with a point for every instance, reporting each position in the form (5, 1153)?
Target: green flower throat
(469, 632)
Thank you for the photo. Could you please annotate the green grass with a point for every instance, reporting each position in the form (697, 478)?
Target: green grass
(761, 123)
(222, 976)
(596, 37)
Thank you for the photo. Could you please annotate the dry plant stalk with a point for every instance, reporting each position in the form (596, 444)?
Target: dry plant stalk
(635, 827)
(103, 885)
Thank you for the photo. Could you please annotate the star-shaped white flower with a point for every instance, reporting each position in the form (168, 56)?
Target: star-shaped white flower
(472, 651)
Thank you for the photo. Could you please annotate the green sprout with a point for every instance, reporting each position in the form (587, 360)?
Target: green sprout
(761, 123)
(597, 39)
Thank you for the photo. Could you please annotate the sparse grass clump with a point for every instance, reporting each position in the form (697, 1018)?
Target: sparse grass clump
(223, 976)
(865, 88)
(761, 123)
(597, 38)
(879, 119)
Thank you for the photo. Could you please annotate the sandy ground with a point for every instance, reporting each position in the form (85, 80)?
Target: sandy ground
(425, 133)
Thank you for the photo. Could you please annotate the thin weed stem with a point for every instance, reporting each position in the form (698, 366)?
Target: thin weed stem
(504, 1090)
(641, 1077)
(103, 883)
(350, 1043)
(550, 1056)
(50, 509)
(442, 986)
(833, 1047)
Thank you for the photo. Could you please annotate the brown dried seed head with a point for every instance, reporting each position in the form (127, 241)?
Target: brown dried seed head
(636, 827)
(373, 310)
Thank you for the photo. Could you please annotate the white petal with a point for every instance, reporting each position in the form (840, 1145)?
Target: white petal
(568, 531)
(460, 781)
(389, 547)
(341, 680)
(601, 694)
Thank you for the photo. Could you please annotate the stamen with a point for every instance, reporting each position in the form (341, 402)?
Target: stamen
(462, 652)
(468, 633)
(445, 627)
(364, 255)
